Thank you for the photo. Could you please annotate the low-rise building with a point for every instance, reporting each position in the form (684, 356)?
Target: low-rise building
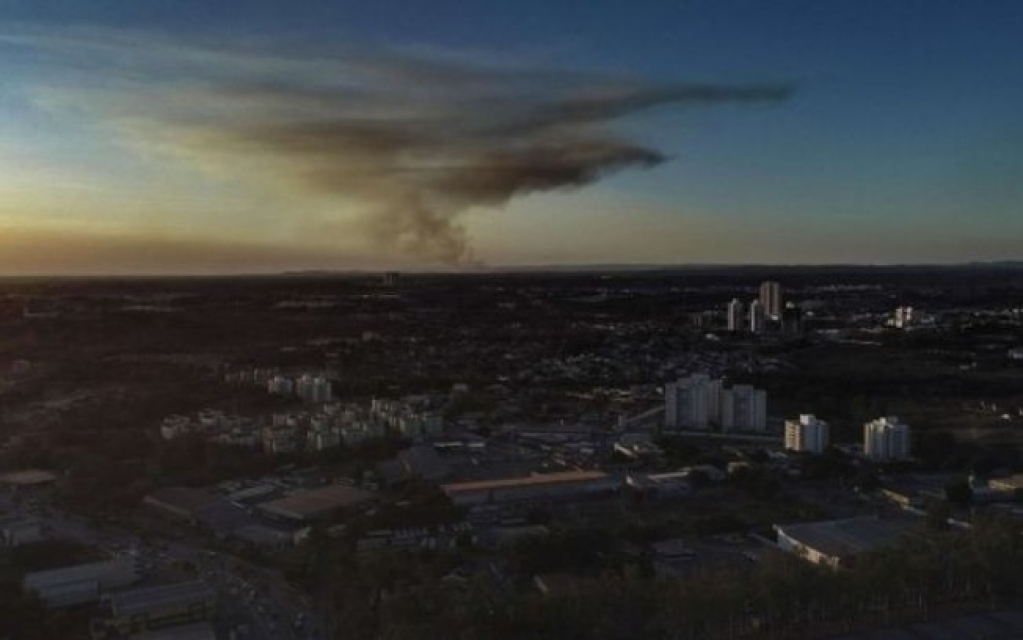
(661, 485)
(540, 486)
(151, 608)
(18, 530)
(28, 481)
(1011, 485)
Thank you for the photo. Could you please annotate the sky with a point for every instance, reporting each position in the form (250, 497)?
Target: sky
(193, 137)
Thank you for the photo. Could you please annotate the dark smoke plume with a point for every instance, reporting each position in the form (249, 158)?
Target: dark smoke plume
(415, 141)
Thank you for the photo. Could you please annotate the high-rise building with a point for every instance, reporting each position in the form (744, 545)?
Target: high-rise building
(736, 315)
(756, 317)
(698, 402)
(791, 319)
(886, 438)
(743, 408)
(770, 297)
(903, 317)
(807, 433)
(690, 402)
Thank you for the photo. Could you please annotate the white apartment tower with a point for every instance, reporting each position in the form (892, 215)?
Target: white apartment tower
(736, 315)
(807, 434)
(886, 439)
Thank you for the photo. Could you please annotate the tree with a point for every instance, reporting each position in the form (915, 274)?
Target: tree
(938, 512)
(959, 493)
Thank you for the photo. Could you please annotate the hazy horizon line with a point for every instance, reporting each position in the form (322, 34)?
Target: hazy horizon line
(524, 268)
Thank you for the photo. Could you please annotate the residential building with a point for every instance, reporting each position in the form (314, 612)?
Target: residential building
(698, 402)
(791, 319)
(904, 317)
(770, 297)
(757, 320)
(691, 403)
(807, 433)
(736, 315)
(886, 438)
(743, 408)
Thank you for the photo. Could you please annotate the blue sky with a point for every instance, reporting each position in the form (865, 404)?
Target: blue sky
(900, 142)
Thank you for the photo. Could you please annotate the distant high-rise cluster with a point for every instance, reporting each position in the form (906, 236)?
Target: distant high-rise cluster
(886, 438)
(764, 312)
(807, 433)
(698, 403)
(310, 388)
(903, 317)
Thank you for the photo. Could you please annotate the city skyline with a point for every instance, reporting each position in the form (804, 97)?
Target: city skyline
(192, 139)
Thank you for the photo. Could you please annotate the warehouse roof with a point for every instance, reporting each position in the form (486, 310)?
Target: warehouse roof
(843, 538)
(538, 479)
(197, 631)
(27, 477)
(137, 601)
(93, 571)
(181, 498)
(1010, 483)
(316, 502)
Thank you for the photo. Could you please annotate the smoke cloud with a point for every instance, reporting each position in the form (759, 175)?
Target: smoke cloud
(415, 142)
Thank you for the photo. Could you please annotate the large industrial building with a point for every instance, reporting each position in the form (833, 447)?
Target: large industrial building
(151, 608)
(837, 543)
(17, 530)
(316, 504)
(540, 487)
(200, 508)
(81, 584)
(886, 439)
(807, 434)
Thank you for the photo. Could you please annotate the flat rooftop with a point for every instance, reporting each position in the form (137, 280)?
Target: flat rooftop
(137, 601)
(197, 631)
(314, 502)
(92, 571)
(28, 477)
(538, 479)
(841, 538)
(1010, 483)
(183, 498)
